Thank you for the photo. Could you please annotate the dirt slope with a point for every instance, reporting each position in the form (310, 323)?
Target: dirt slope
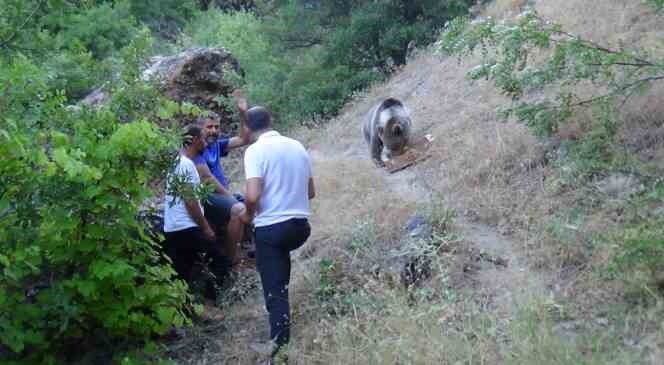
(491, 173)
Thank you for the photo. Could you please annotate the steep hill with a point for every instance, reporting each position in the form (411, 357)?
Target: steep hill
(517, 270)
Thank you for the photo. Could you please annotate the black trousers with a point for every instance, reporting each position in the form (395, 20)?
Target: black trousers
(184, 247)
(273, 246)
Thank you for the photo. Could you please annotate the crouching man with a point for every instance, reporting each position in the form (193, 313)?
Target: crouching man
(279, 187)
(187, 231)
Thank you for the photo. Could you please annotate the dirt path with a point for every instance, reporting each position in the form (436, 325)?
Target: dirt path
(501, 285)
(502, 276)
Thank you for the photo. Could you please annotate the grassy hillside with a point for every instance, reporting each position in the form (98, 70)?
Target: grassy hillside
(525, 261)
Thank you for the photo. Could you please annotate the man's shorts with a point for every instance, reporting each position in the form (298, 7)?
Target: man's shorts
(218, 207)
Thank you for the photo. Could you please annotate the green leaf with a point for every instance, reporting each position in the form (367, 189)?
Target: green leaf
(87, 288)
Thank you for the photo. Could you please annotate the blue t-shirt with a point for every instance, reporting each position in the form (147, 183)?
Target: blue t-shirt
(211, 155)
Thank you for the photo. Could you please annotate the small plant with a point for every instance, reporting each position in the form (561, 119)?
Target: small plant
(440, 215)
(642, 248)
(327, 286)
(362, 235)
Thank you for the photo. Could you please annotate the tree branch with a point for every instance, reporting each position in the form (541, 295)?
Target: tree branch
(5, 43)
(597, 46)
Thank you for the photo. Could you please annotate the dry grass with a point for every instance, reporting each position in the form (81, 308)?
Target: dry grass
(502, 8)
(482, 167)
(632, 24)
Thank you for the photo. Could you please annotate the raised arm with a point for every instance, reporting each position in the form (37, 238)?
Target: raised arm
(243, 138)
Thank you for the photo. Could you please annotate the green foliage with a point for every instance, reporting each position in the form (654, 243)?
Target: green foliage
(327, 286)
(75, 260)
(76, 72)
(509, 52)
(166, 17)
(75, 43)
(657, 4)
(241, 34)
(305, 59)
(642, 247)
(101, 29)
(376, 31)
(641, 243)
(440, 215)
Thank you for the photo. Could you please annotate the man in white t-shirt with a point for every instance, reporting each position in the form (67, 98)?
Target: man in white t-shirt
(279, 187)
(186, 229)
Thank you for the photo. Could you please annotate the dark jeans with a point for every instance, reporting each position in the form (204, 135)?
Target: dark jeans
(218, 209)
(183, 247)
(273, 246)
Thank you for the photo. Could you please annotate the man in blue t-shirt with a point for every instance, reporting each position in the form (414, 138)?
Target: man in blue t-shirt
(222, 207)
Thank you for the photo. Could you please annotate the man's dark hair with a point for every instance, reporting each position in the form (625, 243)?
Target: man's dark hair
(258, 118)
(190, 132)
(200, 121)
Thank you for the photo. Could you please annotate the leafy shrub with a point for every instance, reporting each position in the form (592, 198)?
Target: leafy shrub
(643, 247)
(76, 72)
(166, 17)
(101, 29)
(75, 263)
(327, 286)
(641, 243)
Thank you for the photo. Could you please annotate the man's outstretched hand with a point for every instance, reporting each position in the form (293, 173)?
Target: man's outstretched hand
(241, 101)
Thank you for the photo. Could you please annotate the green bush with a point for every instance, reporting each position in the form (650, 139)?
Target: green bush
(640, 244)
(165, 17)
(75, 263)
(102, 29)
(642, 247)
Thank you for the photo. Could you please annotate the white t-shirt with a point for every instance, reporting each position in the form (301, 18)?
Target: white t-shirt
(285, 167)
(176, 216)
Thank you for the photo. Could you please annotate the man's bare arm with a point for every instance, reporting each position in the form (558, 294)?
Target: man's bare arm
(254, 192)
(242, 106)
(195, 212)
(312, 188)
(207, 177)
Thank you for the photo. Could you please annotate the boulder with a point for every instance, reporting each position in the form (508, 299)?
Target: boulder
(410, 263)
(196, 75)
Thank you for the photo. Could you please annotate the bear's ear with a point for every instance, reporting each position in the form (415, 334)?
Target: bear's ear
(380, 131)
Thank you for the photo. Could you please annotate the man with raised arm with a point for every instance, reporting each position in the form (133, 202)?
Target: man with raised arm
(222, 208)
(279, 187)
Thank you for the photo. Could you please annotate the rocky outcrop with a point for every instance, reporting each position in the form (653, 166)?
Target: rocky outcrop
(198, 75)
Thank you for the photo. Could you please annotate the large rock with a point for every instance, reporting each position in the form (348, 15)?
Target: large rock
(410, 263)
(197, 75)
